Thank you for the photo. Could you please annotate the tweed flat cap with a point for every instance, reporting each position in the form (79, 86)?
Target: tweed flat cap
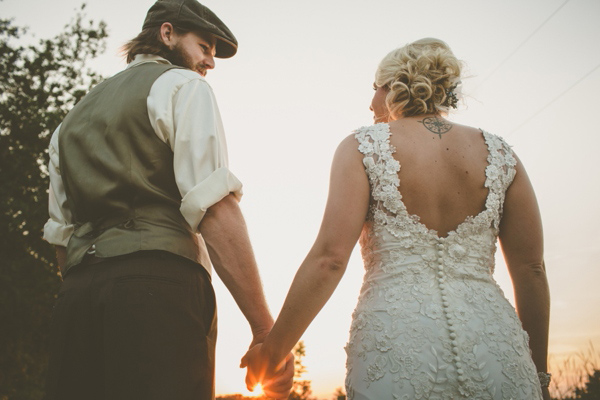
(189, 14)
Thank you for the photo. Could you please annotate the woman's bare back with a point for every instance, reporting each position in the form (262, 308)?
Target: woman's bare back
(442, 171)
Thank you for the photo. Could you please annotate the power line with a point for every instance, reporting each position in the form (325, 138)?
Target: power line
(523, 43)
(554, 100)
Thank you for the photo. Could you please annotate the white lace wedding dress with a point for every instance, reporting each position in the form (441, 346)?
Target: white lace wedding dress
(431, 322)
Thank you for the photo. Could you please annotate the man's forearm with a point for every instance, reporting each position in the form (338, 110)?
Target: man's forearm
(224, 231)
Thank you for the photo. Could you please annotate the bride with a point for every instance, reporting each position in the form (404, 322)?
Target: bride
(427, 199)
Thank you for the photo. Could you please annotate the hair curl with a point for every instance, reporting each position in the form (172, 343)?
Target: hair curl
(421, 78)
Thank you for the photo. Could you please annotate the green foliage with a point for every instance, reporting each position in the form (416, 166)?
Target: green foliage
(339, 394)
(38, 85)
(577, 376)
(301, 389)
(591, 389)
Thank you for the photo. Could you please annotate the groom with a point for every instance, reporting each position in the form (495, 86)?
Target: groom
(141, 204)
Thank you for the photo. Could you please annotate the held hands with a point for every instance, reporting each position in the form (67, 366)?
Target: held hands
(276, 380)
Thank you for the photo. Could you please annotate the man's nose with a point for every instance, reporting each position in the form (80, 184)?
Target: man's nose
(209, 62)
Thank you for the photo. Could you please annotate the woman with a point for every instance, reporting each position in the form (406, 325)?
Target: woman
(429, 199)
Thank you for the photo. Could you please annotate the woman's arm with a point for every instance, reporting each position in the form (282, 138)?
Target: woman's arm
(521, 239)
(323, 267)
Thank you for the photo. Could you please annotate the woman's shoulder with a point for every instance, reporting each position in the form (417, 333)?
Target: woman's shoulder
(474, 134)
(351, 149)
(367, 141)
(349, 144)
(364, 137)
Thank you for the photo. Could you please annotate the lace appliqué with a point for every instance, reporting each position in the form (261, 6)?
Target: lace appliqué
(431, 323)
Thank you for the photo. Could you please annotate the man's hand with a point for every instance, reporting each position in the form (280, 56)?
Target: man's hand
(276, 380)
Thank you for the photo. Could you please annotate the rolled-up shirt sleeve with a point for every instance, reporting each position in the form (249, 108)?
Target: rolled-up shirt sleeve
(184, 114)
(59, 228)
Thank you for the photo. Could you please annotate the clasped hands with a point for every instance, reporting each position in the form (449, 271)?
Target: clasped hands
(276, 377)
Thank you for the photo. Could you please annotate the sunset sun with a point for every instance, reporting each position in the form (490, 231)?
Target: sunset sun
(257, 391)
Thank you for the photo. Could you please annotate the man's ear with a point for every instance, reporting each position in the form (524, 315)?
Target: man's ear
(167, 34)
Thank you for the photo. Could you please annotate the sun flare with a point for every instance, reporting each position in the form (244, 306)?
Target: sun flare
(257, 391)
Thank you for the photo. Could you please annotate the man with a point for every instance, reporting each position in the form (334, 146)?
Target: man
(141, 203)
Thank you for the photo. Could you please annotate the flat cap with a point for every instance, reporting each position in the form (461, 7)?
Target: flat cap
(189, 14)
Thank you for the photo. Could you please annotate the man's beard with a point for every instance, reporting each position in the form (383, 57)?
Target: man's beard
(177, 56)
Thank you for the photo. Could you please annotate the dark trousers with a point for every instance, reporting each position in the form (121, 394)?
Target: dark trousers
(141, 326)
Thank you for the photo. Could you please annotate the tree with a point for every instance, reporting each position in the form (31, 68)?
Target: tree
(591, 390)
(339, 394)
(39, 84)
(301, 389)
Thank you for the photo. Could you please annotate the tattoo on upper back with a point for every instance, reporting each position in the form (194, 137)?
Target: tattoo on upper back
(436, 125)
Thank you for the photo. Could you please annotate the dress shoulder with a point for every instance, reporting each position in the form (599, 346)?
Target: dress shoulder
(370, 138)
(501, 159)
(374, 144)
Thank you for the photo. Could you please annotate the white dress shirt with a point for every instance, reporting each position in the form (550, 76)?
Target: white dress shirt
(184, 114)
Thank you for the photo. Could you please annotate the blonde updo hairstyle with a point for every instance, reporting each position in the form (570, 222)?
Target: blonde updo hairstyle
(421, 77)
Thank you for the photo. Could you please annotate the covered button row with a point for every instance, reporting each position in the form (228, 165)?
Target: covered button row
(446, 304)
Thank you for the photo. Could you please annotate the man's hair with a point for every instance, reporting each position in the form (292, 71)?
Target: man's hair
(148, 42)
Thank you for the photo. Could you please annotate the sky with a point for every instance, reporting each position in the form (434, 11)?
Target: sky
(302, 81)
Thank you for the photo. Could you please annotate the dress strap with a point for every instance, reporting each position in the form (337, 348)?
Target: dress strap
(381, 167)
(374, 144)
(500, 173)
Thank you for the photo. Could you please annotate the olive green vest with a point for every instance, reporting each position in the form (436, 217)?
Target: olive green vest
(118, 175)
